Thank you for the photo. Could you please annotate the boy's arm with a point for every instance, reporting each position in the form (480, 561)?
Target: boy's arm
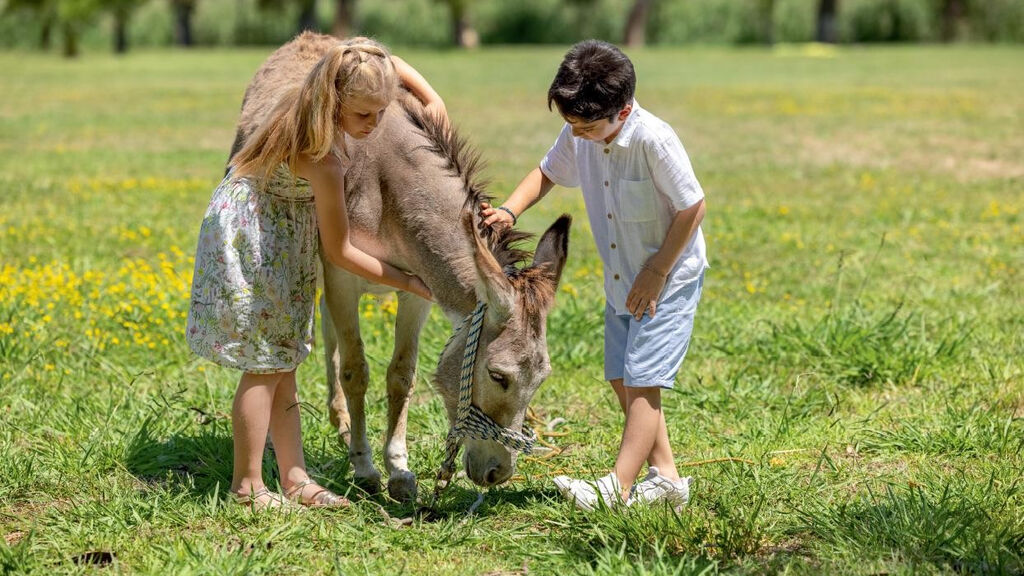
(527, 193)
(420, 88)
(643, 296)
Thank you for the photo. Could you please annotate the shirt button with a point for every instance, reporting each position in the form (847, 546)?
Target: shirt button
(605, 182)
(609, 215)
(616, 276)
(606, 151)
(613, 245)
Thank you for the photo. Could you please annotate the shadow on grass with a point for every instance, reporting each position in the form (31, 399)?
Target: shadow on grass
(457, 501)
(199, 462)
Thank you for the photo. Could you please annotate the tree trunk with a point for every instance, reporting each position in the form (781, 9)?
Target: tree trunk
(952, 14)
(636, 23)
(46, 33)
(70, 40)
(307, 17)
(827, 21)
(120, 31)
(463, 33)
(343, 18)
(183, 22)
(768, 21)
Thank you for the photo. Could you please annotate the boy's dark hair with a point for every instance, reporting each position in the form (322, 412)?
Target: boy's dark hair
(594, 81)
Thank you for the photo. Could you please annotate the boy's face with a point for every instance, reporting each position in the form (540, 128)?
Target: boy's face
(600, 130)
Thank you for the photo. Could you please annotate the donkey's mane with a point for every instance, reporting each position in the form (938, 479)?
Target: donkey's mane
(464, 161)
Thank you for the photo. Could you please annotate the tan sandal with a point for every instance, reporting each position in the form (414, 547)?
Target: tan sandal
(322, 498)
(273, 500)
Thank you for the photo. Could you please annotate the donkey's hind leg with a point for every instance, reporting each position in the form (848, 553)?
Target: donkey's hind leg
(412, 313)
(348, 374)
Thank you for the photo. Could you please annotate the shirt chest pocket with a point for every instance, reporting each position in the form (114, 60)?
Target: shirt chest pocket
(638, 200)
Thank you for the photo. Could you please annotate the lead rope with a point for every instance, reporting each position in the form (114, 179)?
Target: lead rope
(470, 421)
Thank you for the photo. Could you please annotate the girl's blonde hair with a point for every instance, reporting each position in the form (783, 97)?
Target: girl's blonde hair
(307, 119)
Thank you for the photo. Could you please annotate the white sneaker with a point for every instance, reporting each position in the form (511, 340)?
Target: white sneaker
(588, 494)
(656, 488)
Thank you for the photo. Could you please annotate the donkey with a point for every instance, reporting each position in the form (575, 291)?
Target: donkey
(412, 194)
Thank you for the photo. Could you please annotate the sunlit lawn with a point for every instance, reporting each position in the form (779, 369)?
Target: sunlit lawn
(852, 401)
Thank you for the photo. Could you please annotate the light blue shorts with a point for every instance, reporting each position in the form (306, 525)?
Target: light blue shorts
(650, 352)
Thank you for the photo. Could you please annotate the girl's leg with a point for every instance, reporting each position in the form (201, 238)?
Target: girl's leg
(250, 419)
(643, 418)
(286, 432)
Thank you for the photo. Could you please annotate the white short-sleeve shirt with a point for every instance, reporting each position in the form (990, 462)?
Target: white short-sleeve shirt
(632, 188)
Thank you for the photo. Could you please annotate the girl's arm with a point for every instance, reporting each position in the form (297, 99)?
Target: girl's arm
(419, 86)
(327, 179)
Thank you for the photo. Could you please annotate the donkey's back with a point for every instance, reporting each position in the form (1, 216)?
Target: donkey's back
(281, 73)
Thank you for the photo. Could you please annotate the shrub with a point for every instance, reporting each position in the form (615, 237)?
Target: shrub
(996, 20)
(794, 20)
(707, 21)
(886, 20)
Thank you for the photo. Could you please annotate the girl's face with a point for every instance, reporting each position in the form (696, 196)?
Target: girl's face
(359, 116)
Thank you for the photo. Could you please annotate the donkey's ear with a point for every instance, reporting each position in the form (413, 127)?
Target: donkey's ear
(492, 286)
(553, 249)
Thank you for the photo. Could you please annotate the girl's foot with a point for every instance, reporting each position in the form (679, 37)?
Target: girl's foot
(309, 493)
(263, 499)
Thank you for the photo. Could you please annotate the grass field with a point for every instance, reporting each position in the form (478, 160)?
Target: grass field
(858, 351)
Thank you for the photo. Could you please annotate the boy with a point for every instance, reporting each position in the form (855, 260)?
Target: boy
(645, 208)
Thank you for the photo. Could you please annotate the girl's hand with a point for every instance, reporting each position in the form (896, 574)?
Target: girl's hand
(417, 287)
(437, 109)
(495, 218)
(643, 296)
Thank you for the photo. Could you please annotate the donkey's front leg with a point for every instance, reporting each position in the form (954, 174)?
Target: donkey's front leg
(412, 313)
(347, 369)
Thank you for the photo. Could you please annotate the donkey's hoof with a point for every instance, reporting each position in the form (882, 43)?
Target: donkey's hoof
(402, 486)
(369, 484)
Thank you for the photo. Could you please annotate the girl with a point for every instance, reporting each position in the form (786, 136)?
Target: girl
(255, 279)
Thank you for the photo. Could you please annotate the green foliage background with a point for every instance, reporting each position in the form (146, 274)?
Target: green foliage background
(425, 22)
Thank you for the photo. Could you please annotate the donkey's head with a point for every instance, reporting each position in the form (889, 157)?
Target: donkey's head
(512, 359)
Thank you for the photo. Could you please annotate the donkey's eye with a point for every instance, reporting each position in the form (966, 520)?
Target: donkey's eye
(499, 378)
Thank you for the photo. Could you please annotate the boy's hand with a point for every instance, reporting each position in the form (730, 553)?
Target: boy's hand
(643, 296)
(497, 219)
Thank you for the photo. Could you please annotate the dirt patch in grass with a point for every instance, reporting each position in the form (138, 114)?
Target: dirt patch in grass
(28, 511)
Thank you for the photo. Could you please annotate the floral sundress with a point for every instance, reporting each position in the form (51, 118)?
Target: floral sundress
(254, 285)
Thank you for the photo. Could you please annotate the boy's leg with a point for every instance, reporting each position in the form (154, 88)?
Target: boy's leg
(620, 392)
(643, 420)
(250, 420)
(656, 348)
(661, 456)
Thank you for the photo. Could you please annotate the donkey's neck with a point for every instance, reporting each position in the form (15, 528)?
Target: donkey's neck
(405, 206)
